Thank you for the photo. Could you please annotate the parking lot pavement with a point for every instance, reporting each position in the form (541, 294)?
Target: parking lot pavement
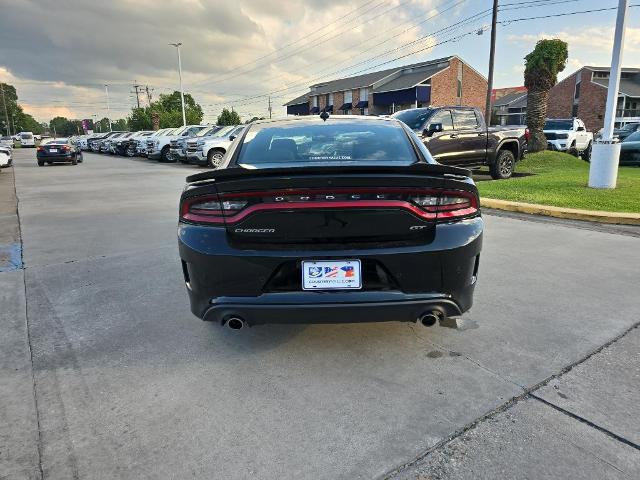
(129, 384)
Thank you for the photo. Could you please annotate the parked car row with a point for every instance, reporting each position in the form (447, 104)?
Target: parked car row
(6, 152)
(195, 144)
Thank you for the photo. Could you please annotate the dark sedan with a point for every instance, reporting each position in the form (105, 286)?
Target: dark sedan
(630, 150)
(59, 150)
(341, 219)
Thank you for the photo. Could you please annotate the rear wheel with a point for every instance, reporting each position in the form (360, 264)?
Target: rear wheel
(131, 151)
(214, 158)
(41, 163)
(502, 168)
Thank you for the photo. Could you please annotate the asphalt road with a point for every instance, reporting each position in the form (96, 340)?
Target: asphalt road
(104, 372)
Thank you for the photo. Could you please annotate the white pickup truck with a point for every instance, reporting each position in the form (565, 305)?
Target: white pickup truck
(210, 150)
(568, 135)
(159, 147)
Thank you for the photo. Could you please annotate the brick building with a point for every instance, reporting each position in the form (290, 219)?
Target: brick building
(444, 81)
(510, 108)
(583, 94)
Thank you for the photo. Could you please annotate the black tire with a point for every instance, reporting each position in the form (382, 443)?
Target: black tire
(572, 149)
(214, 158)
(586, 153)
(41, 163)
(131, 151)
(165, 155)
(503, 167)
(74, 161)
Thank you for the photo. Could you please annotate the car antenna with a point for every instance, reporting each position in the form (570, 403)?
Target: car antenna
(324, 115)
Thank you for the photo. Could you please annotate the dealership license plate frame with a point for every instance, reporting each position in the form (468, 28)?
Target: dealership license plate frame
(331, 283)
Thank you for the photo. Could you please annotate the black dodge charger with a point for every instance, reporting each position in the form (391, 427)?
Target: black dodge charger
(326, 220)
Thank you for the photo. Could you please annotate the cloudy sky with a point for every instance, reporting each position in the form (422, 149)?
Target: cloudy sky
(60, 53)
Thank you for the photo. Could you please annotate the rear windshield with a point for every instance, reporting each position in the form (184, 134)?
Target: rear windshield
(26, 136)
(318, 144)
(558, 125)
(57, 141)
(414, 119)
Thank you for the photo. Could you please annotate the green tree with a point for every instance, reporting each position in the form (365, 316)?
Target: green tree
(169, 107)
(9, 108)
(542, 66)
(253, 119)
(228, 118)
(120, 124)
(62, 127)
(140, 119)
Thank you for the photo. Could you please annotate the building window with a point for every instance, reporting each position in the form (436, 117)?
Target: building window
(576, 93)
(314, 101)
(364, 94)
(348, 97)
(330, 99)
(574, 110)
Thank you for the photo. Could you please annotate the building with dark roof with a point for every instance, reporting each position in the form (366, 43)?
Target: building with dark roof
(510, 109)
(583, 94)
(443, 81)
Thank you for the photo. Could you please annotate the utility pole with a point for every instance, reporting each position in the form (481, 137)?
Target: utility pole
(492, 55)
(269, 107)
(148, 94)
(6, 114)
(136, 87)
(184, 116)
(106, 89)
(605, 154)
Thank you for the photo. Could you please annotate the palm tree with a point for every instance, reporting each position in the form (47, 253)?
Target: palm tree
(541, 70)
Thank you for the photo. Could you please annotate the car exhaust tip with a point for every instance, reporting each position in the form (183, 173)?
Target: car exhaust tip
(429, 319)
(235, 323)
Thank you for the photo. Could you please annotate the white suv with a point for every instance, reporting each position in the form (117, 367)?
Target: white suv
(210, 150)
(159, 147)
(568, 135)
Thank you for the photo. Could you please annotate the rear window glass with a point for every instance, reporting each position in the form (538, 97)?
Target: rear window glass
(414, 119)
(26, 136)
(318, 144)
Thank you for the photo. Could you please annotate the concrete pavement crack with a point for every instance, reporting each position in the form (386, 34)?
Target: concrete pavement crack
(508, 404)
(27, 326)
(611, 434)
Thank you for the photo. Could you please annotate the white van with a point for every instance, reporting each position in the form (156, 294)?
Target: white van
(27, 139)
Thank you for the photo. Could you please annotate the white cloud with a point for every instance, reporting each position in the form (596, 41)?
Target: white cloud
(62, 65)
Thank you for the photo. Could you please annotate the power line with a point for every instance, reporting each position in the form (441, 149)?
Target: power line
(512, 20)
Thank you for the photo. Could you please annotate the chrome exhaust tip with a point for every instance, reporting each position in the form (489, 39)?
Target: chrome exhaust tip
(429, 319)
(235, 323)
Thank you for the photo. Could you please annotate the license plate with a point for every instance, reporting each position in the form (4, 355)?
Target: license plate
(53, 150)
(331, 275)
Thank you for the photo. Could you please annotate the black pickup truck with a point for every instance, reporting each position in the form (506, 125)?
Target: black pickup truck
(459, 136)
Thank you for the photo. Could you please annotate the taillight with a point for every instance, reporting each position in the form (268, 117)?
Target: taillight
(527, 135)
(66, 148)
(431, 205)
(40, 149)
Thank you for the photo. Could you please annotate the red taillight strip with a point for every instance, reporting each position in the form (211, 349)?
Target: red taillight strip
(299, 206)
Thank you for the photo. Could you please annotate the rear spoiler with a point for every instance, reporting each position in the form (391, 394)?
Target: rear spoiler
(414, 169)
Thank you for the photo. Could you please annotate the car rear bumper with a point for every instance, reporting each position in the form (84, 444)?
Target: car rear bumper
(223, 280)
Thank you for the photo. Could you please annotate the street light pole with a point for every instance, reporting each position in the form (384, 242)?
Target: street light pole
(605, 155)
(106, 89)
(184, 116)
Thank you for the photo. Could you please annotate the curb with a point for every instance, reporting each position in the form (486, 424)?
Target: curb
(560, 212)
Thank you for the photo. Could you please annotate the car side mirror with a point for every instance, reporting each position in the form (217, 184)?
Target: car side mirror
(431, 129)
(580, 129)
